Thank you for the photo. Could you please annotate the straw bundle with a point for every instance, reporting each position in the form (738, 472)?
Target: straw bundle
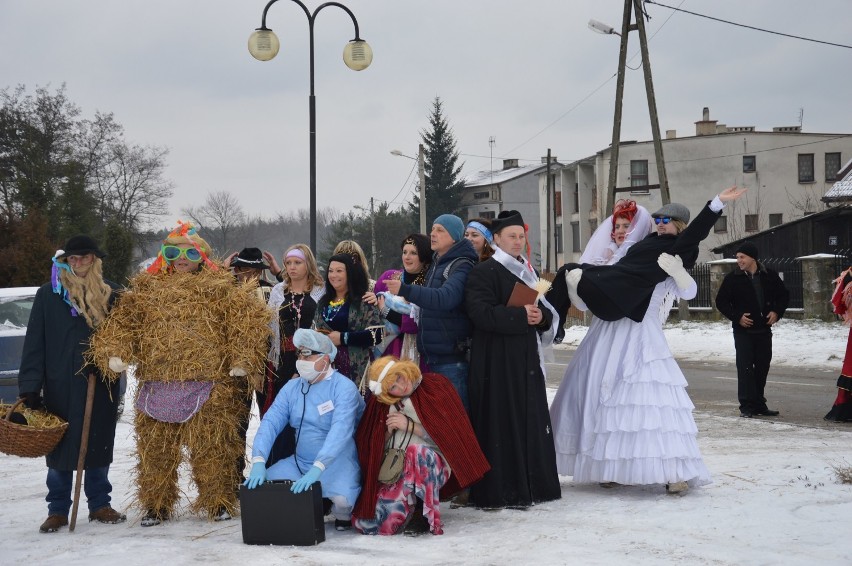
(179, 327)
(188, 327)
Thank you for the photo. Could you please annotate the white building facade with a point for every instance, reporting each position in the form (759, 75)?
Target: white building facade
(785, 171)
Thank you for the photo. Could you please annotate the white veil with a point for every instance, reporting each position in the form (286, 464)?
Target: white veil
(601, 250)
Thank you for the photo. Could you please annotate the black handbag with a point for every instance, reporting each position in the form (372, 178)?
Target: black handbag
(393, 461)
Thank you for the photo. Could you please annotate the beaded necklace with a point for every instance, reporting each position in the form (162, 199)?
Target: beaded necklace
(331, 310)
(419, 279)
(296, 307)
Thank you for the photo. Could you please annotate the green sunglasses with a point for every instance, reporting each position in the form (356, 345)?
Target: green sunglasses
(173, 253)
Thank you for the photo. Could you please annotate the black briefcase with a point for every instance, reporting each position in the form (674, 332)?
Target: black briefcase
(272, 514)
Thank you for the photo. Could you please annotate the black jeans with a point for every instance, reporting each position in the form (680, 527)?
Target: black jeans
(754, 353)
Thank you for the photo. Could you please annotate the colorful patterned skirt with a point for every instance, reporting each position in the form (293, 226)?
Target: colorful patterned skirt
(424, 475)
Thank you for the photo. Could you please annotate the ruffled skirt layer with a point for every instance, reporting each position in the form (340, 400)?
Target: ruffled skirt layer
(622, 413)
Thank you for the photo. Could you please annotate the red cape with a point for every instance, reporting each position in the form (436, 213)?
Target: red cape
(443, 416)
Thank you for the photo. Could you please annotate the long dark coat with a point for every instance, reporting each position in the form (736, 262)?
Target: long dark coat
(508, 400)
(52, 362)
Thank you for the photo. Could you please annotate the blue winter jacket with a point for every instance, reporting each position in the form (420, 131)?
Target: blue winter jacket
(444, 327)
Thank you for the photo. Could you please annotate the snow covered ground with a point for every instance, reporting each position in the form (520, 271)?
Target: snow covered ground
(775, 500)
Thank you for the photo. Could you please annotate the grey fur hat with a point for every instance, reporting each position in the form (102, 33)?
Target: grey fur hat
(673, 210)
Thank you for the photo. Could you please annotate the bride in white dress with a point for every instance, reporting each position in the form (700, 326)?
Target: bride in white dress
(622, 414)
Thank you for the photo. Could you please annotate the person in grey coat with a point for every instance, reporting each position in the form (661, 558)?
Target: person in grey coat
(53, 374)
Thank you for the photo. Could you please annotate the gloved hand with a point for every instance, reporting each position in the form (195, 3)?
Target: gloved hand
(257, 475)
(306, 480)
(116, 364)
(673, 265)
(32, 400)
(237, 372)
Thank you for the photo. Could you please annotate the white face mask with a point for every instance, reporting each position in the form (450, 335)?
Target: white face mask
(306, 370)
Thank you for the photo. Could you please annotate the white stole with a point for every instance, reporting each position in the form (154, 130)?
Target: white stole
(522, 269)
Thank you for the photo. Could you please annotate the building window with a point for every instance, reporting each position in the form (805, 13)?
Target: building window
(749, 163)
(488, 214)
(832, 166)
(481, 195)
(575, 237)
(576, 197)
(721, 224)
(776, 220)
(638, 172)
(557, 202)
(557, 234)
(751, 222)
(639, 175)
(806, 167)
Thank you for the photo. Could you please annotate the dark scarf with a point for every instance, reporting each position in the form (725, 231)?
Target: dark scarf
(442, 415)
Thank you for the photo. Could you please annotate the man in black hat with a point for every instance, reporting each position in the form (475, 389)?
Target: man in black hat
(754, 298)
(249, 264)
(65, 313)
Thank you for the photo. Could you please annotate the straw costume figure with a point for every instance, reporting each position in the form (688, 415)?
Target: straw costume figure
(193, 336)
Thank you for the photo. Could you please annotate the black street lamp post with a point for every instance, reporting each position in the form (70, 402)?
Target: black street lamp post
(263, 44)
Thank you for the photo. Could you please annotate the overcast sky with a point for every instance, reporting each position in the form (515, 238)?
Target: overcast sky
(531, 74)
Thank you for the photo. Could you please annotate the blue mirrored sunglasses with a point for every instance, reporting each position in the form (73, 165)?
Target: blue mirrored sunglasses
(664, 220)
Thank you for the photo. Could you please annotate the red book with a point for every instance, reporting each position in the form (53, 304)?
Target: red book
(522, 295)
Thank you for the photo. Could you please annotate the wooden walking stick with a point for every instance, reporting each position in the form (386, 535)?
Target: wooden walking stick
(84, 447)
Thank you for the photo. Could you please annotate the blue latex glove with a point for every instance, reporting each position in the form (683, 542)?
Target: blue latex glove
(306, 480)
(257, 475)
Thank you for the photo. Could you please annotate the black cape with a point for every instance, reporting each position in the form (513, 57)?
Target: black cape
(52, 362)
(623, 290)
(508, 400)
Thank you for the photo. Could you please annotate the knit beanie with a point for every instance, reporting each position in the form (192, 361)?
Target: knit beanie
(747, 248)
(452, 224)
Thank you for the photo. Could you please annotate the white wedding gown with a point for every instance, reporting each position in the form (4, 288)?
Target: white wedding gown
(622, 413)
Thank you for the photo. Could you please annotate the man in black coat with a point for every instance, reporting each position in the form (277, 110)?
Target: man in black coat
(754, 298)
(53, 373)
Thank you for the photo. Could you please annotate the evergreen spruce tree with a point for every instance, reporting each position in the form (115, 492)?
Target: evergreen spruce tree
(443, 186)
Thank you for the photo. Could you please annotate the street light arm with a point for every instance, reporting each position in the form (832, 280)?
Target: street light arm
(342, 7)
(398, 153)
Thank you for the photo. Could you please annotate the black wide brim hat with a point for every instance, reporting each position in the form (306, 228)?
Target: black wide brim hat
(81, 245)
(251, 258)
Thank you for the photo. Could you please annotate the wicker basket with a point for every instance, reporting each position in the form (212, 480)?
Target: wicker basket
(28, 441)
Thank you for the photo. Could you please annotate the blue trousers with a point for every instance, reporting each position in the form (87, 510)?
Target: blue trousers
(60, 483)
(456, 372)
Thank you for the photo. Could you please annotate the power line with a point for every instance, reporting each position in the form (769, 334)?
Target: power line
(404, 185)
(750, 27)
(588, 96)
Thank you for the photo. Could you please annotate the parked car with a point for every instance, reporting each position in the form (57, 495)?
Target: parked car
(15, 306)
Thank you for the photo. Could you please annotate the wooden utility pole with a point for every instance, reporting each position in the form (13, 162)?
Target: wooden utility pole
(630, 7)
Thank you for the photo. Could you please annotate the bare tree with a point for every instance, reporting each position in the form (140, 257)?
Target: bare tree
(806, 202)
(221, 214)
(131, 185)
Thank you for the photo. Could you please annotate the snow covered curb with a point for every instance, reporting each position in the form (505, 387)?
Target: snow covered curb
(795, 343)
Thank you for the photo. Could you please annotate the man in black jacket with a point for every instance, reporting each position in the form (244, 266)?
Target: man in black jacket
(53, 373)
(754, 298)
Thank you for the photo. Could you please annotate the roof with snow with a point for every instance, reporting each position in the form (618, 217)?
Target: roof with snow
(485, 178)
(842, 189)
